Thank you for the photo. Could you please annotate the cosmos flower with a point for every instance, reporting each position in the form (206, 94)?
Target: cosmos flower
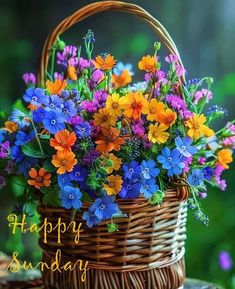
(65, 162)
(197, 127)
(157, 133)
(104, 117)
(225, 157)
(63, 140)
(167, 117)
(153, 109)
(113, 184)
(39, 178)
(113, 104)
(56, 87)
(148, 63)
(106, 62)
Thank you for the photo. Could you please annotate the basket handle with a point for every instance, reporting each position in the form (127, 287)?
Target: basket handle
(97, 7)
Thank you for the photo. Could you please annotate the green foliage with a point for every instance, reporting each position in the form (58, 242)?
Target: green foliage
(112, 227)
(157, 198)
(18, 185)
(50, 196)
(32, 149)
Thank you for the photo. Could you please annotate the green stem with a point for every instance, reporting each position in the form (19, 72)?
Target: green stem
(52, 61)
(36, 134)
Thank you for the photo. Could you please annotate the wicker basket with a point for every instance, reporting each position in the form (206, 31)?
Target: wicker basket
(148, 250)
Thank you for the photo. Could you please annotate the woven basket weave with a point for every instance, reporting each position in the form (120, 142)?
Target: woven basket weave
(148, 250)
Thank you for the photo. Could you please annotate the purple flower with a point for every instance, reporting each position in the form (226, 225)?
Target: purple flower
(202, 195)
(104, 208)
(20, 118)
(177, 103)
(148, 187)
(100, 97)
(64, 180)
(138, 128)
(196, 178)
(89, 106)
(69, 109)
(35, 96)
(39, 114)
(80, 63)
(22, 137)
(70, 197)
(67, 54)
(4, 149)
(188, 162)
(130, 189)
(131, 170)
(83, 129)
(204, 93)
(2, 182)
(91, 218)
(97, 76)
(172, 161)
(149, 169)
(53, 121)
(78, 174)
(184, 146)
(29, 79)
(90, 157)
(225, 261)
(76, 119)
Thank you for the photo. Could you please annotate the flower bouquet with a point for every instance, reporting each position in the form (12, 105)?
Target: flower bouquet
(125, 159)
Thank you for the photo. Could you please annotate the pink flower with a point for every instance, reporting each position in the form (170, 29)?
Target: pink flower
(202, 161)
(187, 164)
(171, 58)
(29, 79)
(204, 93)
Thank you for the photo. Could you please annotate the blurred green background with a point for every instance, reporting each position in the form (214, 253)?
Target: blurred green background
(204, 33)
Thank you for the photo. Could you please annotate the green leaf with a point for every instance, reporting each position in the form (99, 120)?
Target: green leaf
(19, 185)
(51, 197)
(48, 166)
(20, 105)
(32, 149)
(29, 209)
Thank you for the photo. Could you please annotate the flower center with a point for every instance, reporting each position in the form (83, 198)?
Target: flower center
(146, 170)
(65, 110)
(71, 196)
(128, 187)
(152, 110)
(52, 105)
(111, 184)
(77, 174)
(34, 98)
(39, 179)
(134, 105)
(102, 206)
(64, 162)
(169, 159)
(184, 148)
(131, 170)
(115, 105)
(53, 121)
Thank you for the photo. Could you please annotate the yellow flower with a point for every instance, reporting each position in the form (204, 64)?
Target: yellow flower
(167, 117)
(104, 118)
(113, 104)
(133, 104)
(11, 126)
(123, 79)
(148, 63)
(106, 63)
(152, 109)
(225, 157)
(157, 133)
(113, 185)
(197, 128)
(111, 162)
(72, 73)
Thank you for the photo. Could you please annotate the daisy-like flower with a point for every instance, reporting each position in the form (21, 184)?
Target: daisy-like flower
(148, 63)
(39, 178)
(167, 117)
(105, 63)
(34, 96)
(225, 157)
(153, 109)
(63, 140)
(104, 118)
(109, 140)
(53, 121)
(113, 185)
(133, 104)
(113, 104)
(197, 127)
(111, 162)
(56, 87)
(65, 162)
(11, 126)
(157, 133)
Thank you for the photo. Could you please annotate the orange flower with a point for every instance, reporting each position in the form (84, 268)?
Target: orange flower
(167, 117)
(153, 109)
(148, 63)
(39, 178)
(133, 104)
(105, 63)
(104, 118)
(123, 79)
(113, 185)
(109, 140)
(56, 87)
(72, 73)
(65, 162)
(32, 107)
(225, 157)
(63, 140)
(11, 126)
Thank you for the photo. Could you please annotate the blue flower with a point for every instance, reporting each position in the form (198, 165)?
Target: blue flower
(184, 146)
(83, 129)
(20, 118)
(148, 169)
(196, 178)
(90, 218)
(149, 187)
(64, 180)
(78, 174)
(36, 96)
(54, 102)
(130, 189)
(119, 67)
(39, 114)
(208, 173)
(54, 121)
(172, 161)
(68, 109)
(70, 197)
(104, 208)
(22, 138)
(25, 165)
(131, 170)
(2, 133)
(16, 154)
